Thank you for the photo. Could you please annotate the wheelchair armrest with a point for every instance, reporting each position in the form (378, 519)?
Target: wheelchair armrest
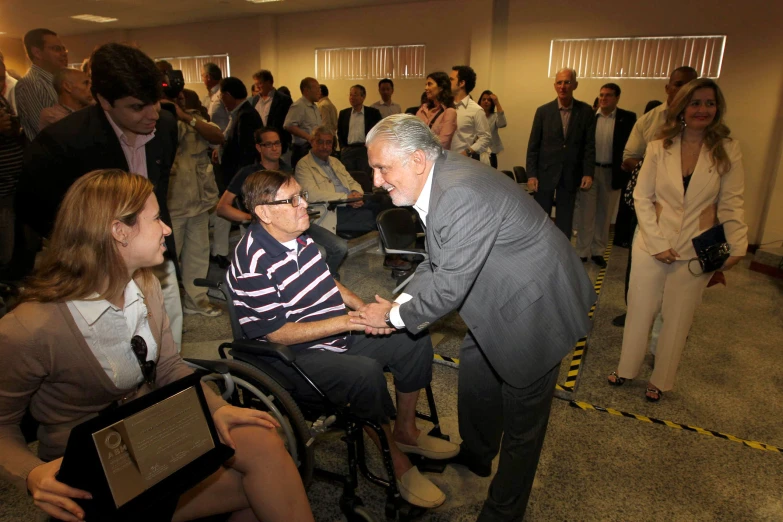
(212, 365)
(406, 251)
(264, 349)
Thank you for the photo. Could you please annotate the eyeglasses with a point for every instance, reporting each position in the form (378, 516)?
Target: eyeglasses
(271, 144)
(148, 368)
(294, 200)
(327, 143)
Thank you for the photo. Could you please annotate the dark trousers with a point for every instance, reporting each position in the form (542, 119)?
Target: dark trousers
(299, 151)
(354, 157)
(491, 410)
(625, 224)
(634, 222)
(335, 248)
(493, 160)
(564, 206)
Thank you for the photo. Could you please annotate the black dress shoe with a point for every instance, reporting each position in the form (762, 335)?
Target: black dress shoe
(598, 260)
(583, 259)
(467, 460)
(619, 321)
(395, 262)
(221, 261)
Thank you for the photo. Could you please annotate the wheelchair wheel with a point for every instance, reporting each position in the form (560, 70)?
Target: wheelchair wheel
(255, 389)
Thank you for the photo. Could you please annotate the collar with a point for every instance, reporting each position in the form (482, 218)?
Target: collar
(309, 103)
(236, 109)
(40, 71)
(268, 96)
(321, 162)
(463, 102)
(93, 308)
(68, 109)
(141, 139)
(265, 240)
(561, 106)
(386, 104)
(214, 90)
(422, 205)
(354, 111)
(612, 114)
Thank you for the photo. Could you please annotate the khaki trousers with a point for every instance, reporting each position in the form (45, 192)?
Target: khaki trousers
(191, 237)
(220, 232)
(674, 291)
(594, 214)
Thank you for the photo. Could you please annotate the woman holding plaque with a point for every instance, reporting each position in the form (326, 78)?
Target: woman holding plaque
(91, 332)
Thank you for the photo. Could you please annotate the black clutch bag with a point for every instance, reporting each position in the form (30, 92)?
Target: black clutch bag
(712, 250)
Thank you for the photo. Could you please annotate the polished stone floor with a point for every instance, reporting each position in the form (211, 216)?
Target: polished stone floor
(598, 466)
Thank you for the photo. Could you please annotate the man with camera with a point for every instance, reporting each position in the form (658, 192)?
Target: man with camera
(125, 130)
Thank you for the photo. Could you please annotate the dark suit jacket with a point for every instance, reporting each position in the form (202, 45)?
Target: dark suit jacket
(550, 155)
(623, 125)
(277, 112)
(371, 118)
(240, 146)
(80, 143)
(497, 258)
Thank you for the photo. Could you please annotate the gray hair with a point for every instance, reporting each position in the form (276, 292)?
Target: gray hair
(408, 134)
(569, 70)
(322, 130)
(213, 71)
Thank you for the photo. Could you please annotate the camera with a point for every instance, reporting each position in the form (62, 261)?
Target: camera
(173, 83)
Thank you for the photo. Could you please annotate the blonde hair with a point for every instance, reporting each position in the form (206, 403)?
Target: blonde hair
(715, 132)
(83, 257)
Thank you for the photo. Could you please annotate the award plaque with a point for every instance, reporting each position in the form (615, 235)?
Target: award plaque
(137, 459)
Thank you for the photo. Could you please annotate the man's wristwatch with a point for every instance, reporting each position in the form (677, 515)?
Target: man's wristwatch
(387, 318)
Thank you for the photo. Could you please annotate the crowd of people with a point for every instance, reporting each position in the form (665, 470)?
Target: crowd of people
(118, 189)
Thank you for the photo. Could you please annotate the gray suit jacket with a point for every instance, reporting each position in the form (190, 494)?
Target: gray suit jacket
(551, 155)
(497, 258)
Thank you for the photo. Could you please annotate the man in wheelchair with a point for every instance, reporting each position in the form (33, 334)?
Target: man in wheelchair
(283, 293)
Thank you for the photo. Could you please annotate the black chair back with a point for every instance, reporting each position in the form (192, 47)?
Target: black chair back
(396, 228)
(509, 174)
(521, 174)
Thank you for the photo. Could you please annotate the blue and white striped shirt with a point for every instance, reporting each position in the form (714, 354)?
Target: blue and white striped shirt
(272, 285)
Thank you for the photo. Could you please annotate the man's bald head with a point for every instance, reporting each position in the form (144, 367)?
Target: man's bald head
(73, 88)
(679, 77)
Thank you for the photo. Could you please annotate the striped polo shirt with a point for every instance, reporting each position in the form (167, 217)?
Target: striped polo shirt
(272, 285)
(34, 93)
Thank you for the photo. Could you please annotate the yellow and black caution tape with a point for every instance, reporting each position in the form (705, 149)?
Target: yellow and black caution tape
(446, 361)
(677, 426)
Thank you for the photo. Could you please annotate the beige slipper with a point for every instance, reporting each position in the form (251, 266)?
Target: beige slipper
(418, 490)
(431, 447)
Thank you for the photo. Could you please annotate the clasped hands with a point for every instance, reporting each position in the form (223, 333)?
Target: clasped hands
(372, 317)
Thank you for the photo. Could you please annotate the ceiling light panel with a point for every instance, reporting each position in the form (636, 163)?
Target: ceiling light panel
(94, 18)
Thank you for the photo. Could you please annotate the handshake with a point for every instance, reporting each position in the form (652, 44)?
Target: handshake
(372, 317)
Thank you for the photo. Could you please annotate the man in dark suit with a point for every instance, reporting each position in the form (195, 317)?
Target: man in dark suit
(561, 151)
(272, 105)
(239, 149)
(353, 125)
(491, 251)
(125, 130)
(596, 205)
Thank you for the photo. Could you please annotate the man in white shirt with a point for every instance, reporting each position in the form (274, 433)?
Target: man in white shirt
(211, 76)
(303, 118)
(472, 136)
(35, 92)
(386, 106)
(645, 131)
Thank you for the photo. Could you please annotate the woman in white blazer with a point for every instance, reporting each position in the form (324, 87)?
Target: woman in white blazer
(692, 179)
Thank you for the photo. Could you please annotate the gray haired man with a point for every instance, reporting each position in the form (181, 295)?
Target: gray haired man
(497, 258)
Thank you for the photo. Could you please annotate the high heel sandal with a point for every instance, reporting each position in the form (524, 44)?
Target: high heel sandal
(658, 394)
(618, 381)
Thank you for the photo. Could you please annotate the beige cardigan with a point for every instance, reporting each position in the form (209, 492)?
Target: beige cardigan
(47, 366)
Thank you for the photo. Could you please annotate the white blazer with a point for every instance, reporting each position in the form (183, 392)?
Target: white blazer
(670, 218)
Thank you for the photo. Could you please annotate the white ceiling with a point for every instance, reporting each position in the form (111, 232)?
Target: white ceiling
(19, 16)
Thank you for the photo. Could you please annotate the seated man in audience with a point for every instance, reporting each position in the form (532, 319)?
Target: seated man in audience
(385, 104)
(353, 125)
(283, 293)
(73, 93)
(231, 206)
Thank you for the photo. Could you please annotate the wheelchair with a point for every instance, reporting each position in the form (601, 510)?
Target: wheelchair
(244, 377)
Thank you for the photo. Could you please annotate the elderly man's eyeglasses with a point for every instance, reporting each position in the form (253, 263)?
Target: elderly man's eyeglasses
(271, 144)
(294, 200)
(148, 368)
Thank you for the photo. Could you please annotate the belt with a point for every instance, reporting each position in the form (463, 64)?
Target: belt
(603, 165)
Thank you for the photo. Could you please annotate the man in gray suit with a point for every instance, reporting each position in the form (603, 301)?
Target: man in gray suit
(519, 286)
(561, 151)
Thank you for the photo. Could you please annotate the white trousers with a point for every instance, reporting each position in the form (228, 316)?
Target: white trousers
(191, 236)
(673, 290)
(167, 275)
(221, 228)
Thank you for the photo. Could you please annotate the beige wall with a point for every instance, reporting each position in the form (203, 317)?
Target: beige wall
(507, 42)
(15, 57)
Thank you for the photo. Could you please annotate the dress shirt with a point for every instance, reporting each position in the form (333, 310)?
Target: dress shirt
(34, 93)
(9, 91)
(387, 109)
(218, 114)
(645, 131)
(422, 208)
(472, 127)
(108, 330)
(328, 114)
(496, 120)
(356, 134)
(305, 115)
(604, 136)
(565, 115)
(263, 105)
(52, 114)
(327, 168)
(135, 154)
